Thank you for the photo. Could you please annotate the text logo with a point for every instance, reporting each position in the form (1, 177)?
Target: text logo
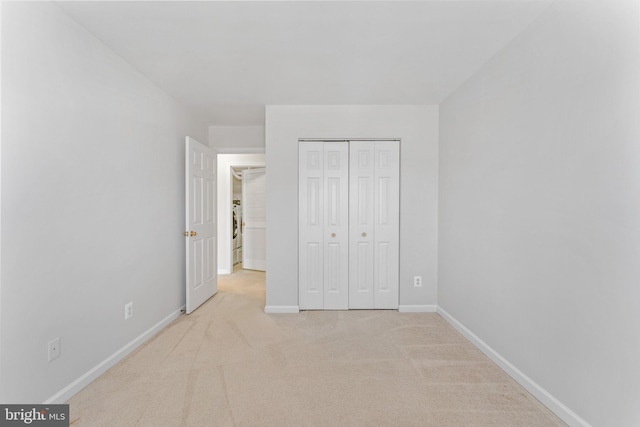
(34, 415)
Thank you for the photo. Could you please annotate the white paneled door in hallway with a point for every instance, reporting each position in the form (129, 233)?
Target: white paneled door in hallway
(254, 219)
(200, 234)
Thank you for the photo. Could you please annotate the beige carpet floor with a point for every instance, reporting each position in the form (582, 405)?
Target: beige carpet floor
(230, 364)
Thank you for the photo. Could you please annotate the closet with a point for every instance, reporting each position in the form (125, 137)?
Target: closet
(348, 252)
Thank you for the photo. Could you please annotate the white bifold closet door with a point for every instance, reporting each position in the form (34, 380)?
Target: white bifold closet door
(348, 225)
(374, 224)
(323, 248)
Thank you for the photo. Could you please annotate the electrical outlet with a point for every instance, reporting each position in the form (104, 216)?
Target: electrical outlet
(54, 349)
(128, 310)
(417, 281)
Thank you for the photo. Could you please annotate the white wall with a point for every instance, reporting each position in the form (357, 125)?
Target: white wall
(225, 192)
(416, 126)
(540, 207)
(237, 139)
(92, 201)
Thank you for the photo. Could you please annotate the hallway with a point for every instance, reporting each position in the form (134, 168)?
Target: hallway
(230, 364)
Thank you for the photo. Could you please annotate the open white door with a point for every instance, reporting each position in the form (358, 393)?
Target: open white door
(254, 222)
(200, 234)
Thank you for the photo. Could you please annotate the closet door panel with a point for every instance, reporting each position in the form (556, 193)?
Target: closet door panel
(336, 225)
(349, 198)
(387, 224)
(311, 226)
(361, 224)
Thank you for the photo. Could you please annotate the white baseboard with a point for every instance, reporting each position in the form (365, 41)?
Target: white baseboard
(417, 308)
(279, 309)
(66, 393)
(401, 308)
(557, 407)
(223, 271)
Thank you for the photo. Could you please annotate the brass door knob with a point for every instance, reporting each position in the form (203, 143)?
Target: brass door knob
(364, 234)
(193, 234)
(333, 234)
(185, 234)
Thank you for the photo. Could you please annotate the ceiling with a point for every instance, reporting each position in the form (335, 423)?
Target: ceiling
(228, 59)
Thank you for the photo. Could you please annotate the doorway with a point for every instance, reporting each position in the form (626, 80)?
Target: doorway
(226, 196)
(249, 218)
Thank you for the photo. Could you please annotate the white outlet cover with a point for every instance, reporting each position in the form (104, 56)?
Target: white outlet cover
(128, 310)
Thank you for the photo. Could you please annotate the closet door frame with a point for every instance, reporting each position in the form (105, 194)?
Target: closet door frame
(349, 201)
